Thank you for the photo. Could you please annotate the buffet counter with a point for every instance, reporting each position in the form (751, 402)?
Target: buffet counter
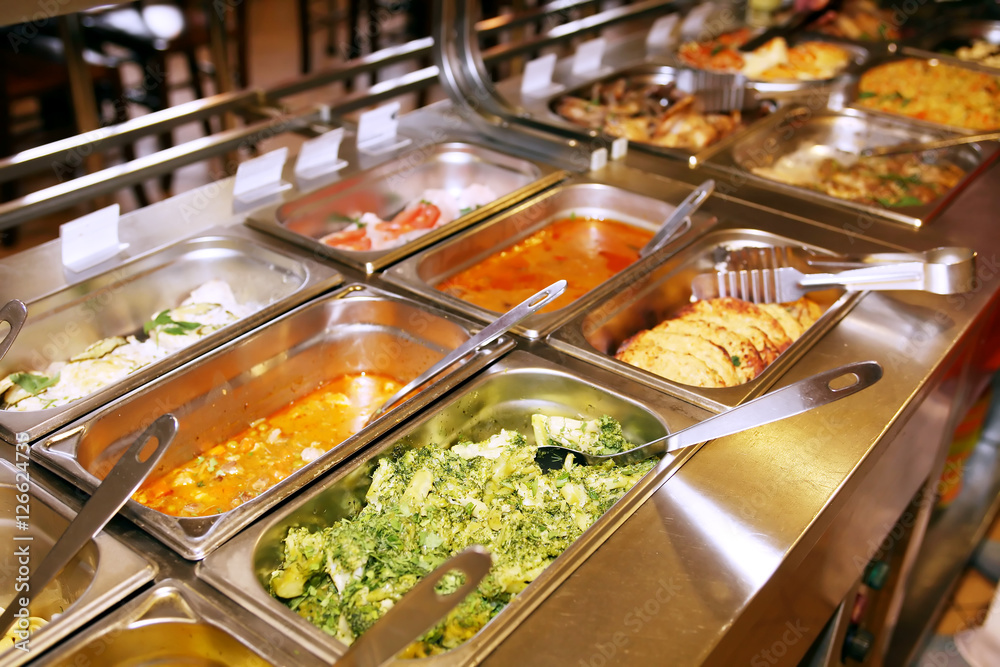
(745, 549)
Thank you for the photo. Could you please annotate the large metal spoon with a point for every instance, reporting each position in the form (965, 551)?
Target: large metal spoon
(674, 221)
(14, 314)
(794, 399)
(921, 146)
(497, 328)
(109, 497)
(417, 611)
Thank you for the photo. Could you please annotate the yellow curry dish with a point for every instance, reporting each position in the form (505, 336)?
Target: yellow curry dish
(932, 91)
(225, 476)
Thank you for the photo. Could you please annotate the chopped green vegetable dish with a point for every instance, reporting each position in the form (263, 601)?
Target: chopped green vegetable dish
(430, 503)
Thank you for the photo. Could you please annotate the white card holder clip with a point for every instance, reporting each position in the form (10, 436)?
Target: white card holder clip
(378, 130)
(320, 156)
(91, 239)
(259, 180)
(662, 36)
(589, 59)
(537, 78)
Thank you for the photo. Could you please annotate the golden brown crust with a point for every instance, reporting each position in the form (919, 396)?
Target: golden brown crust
(729, 308)
(806, 311)
(718, 342)
(791, 325)
(646, 352)
(744, 356)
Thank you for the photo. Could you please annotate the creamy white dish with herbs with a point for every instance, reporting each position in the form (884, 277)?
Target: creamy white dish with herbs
(207, 309)
(428, 503)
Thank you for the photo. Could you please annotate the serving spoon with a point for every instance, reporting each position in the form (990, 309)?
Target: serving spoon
(921, 146)
(794, 399)
(417, 611)
(13, 313)
(684, 210)
(491, 332)
(118, 486)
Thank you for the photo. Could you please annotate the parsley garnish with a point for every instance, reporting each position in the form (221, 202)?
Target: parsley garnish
(32, 383)
(735, 360)
(718, 48)
(173, 327)
(865, 94)
(908, 201)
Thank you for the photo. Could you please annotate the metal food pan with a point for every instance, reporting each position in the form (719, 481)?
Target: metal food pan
(357, 329)
(946, 38)
(504, 396)
(422, 272)
(853, 89)
(118, 302)
(653, 291)
(388, 188)
(860, 54)
(170, 624)
(102, 574)
(544, 110)
(832, 133)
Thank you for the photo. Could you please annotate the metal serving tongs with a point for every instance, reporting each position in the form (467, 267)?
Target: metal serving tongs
(13, 313)
(794, 399)
(109, 497)
(683, 212)
(938, 271)
(417, 611)
(921, 146)
(497, 328)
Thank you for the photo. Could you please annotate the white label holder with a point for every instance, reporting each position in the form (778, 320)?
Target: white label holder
(661, 36)
(320, 156)
(537, 78)
(694, 22)
(260, 178)
(377, 130)
(91, 239)
(589, 58)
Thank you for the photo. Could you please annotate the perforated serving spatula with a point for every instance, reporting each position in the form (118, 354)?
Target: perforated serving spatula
(109, 497)
(417, 611)
(13, 313)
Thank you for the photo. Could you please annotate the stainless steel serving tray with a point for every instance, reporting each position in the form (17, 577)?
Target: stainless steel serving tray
(829, 133)
(543, 109)
(170, 624)
(654, 289)
(118, 302)
(422, 272)
(356, 329)
(853, 89)
(101, 575)
(944, 39)
(861, 54)
(504, 396)
(386, 189)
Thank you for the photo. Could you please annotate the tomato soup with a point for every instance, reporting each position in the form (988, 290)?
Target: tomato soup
(269, 450)
(584, 251)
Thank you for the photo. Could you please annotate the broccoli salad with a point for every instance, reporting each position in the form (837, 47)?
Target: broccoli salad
(426, 504)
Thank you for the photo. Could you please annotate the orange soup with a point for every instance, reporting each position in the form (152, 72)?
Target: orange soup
(584, 251)
(229, 474)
